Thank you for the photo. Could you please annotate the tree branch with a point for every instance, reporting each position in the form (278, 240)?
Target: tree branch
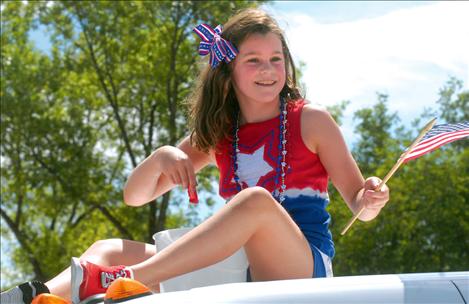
(150, 128)
(74, 211)
(83, 216)
(22, 239)
(111, 100)
(163, 212)
(124, 232)
(114, 170)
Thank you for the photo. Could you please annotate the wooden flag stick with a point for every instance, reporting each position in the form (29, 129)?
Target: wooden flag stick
(424, 131)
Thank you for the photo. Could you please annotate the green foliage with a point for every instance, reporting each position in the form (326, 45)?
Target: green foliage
(77, 120)
(337, 111)
(424, 227)
(299, 68)
(454, 110)
(374, 142)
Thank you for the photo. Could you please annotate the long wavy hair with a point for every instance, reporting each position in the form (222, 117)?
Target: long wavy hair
(213, 105)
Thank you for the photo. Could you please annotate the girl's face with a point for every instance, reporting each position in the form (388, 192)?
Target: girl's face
(259, 69)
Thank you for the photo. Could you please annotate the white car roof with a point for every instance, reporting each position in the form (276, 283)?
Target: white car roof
(446, 287)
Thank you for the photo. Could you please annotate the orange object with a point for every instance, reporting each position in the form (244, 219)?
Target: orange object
(124, 289)
(47, 298)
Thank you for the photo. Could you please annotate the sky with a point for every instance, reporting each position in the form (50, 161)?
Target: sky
(355, 49)
(352, 50)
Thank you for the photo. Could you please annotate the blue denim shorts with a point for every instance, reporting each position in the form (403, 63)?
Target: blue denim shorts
(322, 264)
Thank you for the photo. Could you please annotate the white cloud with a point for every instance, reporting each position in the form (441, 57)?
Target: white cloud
(408, 53)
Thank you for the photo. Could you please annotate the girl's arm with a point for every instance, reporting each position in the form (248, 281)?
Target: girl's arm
(165, 168)
(322, 136)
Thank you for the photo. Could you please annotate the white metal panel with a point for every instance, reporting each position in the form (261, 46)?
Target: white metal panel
(463, 287)
(395, 289)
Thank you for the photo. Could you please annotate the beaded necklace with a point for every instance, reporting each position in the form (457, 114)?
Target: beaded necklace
(279, 192)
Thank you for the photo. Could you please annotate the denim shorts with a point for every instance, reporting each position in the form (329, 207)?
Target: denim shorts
(322, 264)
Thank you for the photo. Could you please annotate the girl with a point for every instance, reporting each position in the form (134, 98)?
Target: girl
(275, 153)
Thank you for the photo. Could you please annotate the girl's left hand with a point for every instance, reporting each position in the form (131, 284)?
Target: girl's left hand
(373, 198)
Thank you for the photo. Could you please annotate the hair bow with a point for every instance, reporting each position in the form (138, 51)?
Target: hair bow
(219, 48)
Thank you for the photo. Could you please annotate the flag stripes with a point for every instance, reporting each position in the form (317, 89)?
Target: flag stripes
(438, 136)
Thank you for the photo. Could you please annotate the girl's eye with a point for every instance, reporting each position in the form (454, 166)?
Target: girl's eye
(256, 60)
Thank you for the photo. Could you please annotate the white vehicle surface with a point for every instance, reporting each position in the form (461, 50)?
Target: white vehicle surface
(448, 287)
(214, 284)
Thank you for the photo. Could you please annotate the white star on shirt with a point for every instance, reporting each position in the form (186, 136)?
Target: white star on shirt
(252, 167)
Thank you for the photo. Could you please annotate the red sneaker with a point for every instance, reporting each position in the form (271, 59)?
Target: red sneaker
(90, 281)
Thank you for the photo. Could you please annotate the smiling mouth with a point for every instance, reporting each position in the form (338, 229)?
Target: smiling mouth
(266, 83)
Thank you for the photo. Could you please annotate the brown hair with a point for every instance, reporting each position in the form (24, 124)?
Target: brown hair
(213, 103)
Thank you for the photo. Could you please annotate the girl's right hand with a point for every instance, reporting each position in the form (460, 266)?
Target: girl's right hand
(176, 165)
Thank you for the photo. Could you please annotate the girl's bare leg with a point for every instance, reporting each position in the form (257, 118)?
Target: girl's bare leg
(107, 253)
(275, 246)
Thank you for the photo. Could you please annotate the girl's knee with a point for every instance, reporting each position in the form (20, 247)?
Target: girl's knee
(104, 252)
(105, 246)
(256, 197)
(257, 191)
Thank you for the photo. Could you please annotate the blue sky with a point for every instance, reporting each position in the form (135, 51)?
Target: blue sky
(352, 49)
(344, 11)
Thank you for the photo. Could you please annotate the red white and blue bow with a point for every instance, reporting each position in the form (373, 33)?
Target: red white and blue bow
(212, 43)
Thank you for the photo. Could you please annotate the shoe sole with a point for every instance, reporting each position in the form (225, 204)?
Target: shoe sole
(76, 280)
(98, 298)
(16, 295)
(23, 293)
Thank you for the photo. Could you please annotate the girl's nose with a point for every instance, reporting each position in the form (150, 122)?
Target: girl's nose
(266, 67)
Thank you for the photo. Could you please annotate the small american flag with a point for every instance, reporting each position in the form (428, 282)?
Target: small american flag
(438, 136)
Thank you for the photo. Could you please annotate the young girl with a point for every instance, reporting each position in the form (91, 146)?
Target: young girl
(275, 153)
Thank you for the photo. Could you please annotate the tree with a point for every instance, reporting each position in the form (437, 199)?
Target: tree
(424, 226)
(77, 121)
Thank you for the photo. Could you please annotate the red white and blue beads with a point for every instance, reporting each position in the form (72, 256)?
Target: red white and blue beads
(279, 191)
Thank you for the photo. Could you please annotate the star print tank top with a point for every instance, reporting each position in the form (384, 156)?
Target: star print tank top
(306, 179)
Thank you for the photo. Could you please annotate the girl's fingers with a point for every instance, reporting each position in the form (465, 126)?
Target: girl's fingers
(176, 178)
(371, 183)
(183, 174)
(376, 199)
(192, 181)
(372, 203)
(184, 177)
(370, 194)
(171, 178)
(377, 204)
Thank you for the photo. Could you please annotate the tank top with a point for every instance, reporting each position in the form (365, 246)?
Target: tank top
(306, 179)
